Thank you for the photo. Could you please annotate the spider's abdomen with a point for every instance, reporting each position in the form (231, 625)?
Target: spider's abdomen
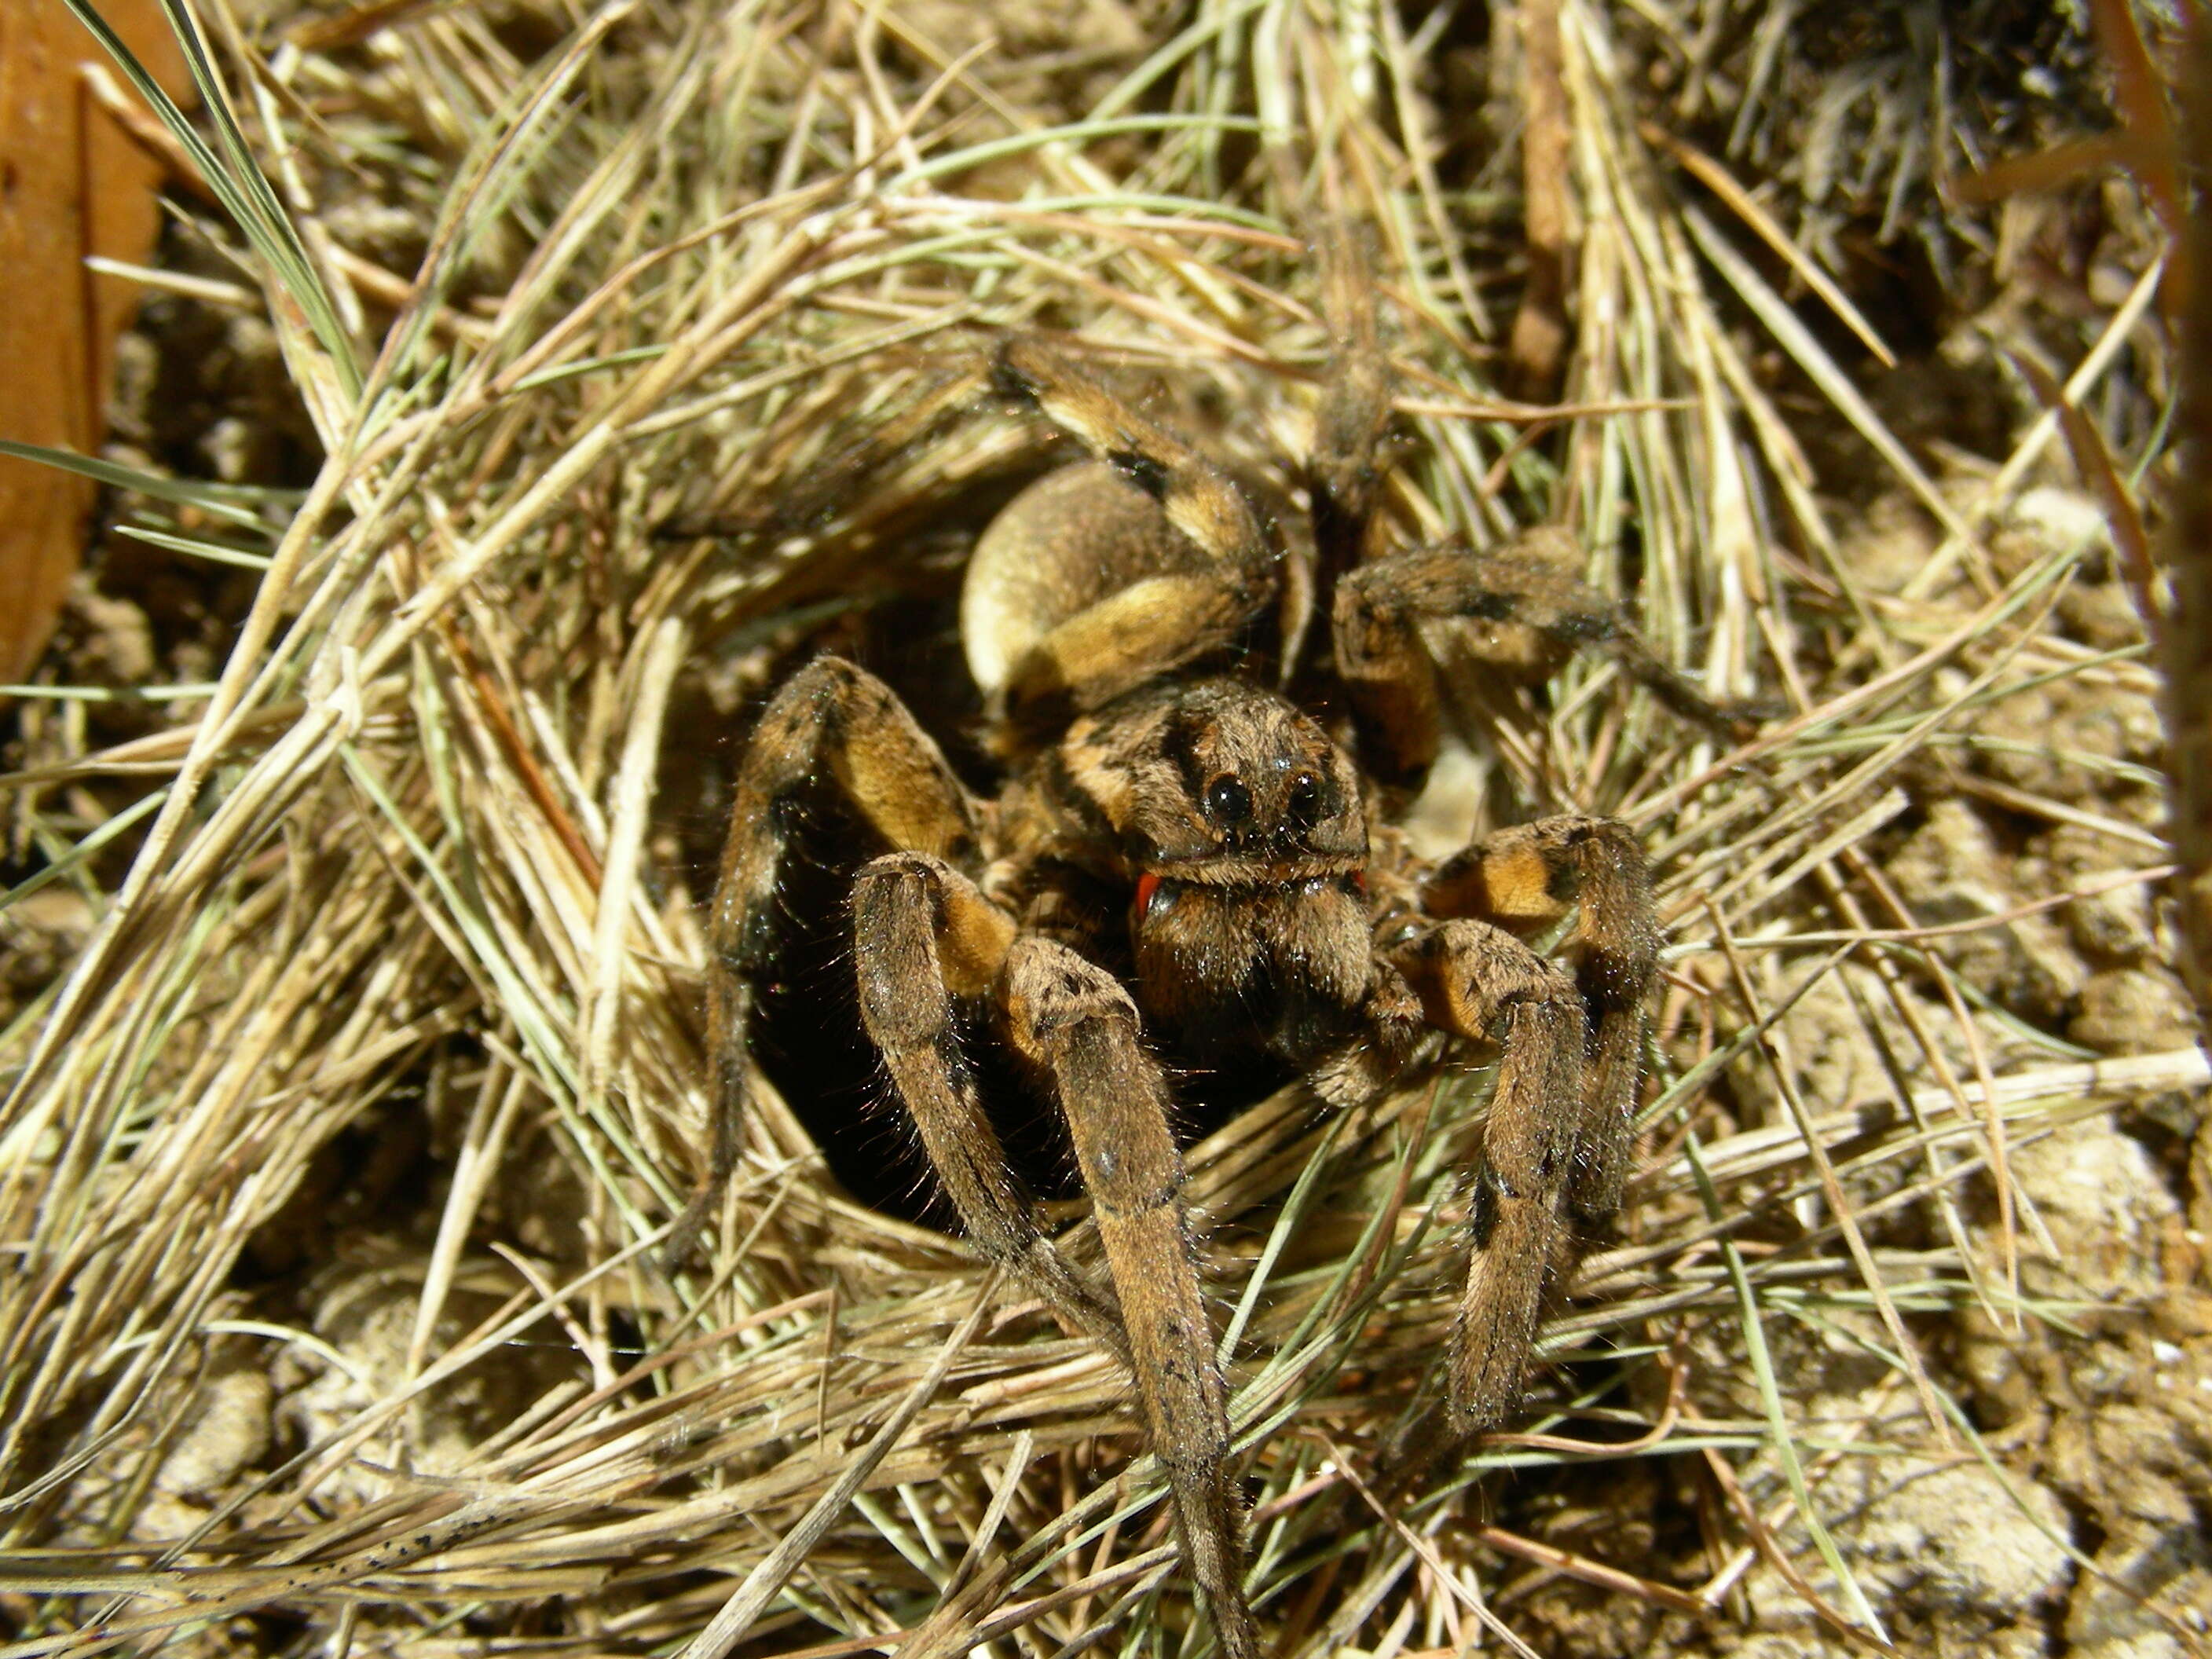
(1072, 538)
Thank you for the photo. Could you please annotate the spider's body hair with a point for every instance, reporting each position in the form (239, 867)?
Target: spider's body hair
(1234, 834)
(1220, 782)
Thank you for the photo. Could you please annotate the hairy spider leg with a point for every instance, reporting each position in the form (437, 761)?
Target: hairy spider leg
(1344, 477)
(1074, 1023)
(830, 713)
(1531, 610)
(923, 933)
(1479, 982)
(1528, 877)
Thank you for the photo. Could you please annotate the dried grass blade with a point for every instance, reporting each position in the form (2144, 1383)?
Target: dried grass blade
(1794, 337)
(1745, 206)
(2028, 451)
(1839, 1206)
(728, 1628)
(236, 178)
(73, 858)
(625, 840)
(214, 500)
(1769, 1393)
(2188, 663)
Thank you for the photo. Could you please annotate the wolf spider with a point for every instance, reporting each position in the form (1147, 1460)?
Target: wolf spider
(1186, 868)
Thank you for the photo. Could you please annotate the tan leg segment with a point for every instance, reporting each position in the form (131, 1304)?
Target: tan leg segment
(1161, 622)
(1077, 1027)
(1481, 982)
(923, 933)
(834, 714)
(1342, 474)
(1528, 877)
(1528, 609)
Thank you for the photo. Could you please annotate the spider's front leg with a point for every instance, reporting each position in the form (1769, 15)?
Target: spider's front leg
(829, 714)
(1479, 982)
(923, 933)
(1527, 878)
(1078, 1028)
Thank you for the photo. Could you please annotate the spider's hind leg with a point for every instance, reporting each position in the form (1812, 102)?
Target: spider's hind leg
(833, 714)
(1344, 471)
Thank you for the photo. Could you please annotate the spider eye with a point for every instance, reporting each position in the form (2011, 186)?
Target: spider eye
(1304, 806)
(1228, 801)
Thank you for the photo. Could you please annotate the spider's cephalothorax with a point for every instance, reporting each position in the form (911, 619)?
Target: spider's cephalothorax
(1236, 829)
(1181, 863)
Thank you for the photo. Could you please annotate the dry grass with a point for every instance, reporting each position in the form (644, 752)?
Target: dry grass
(405, 862)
